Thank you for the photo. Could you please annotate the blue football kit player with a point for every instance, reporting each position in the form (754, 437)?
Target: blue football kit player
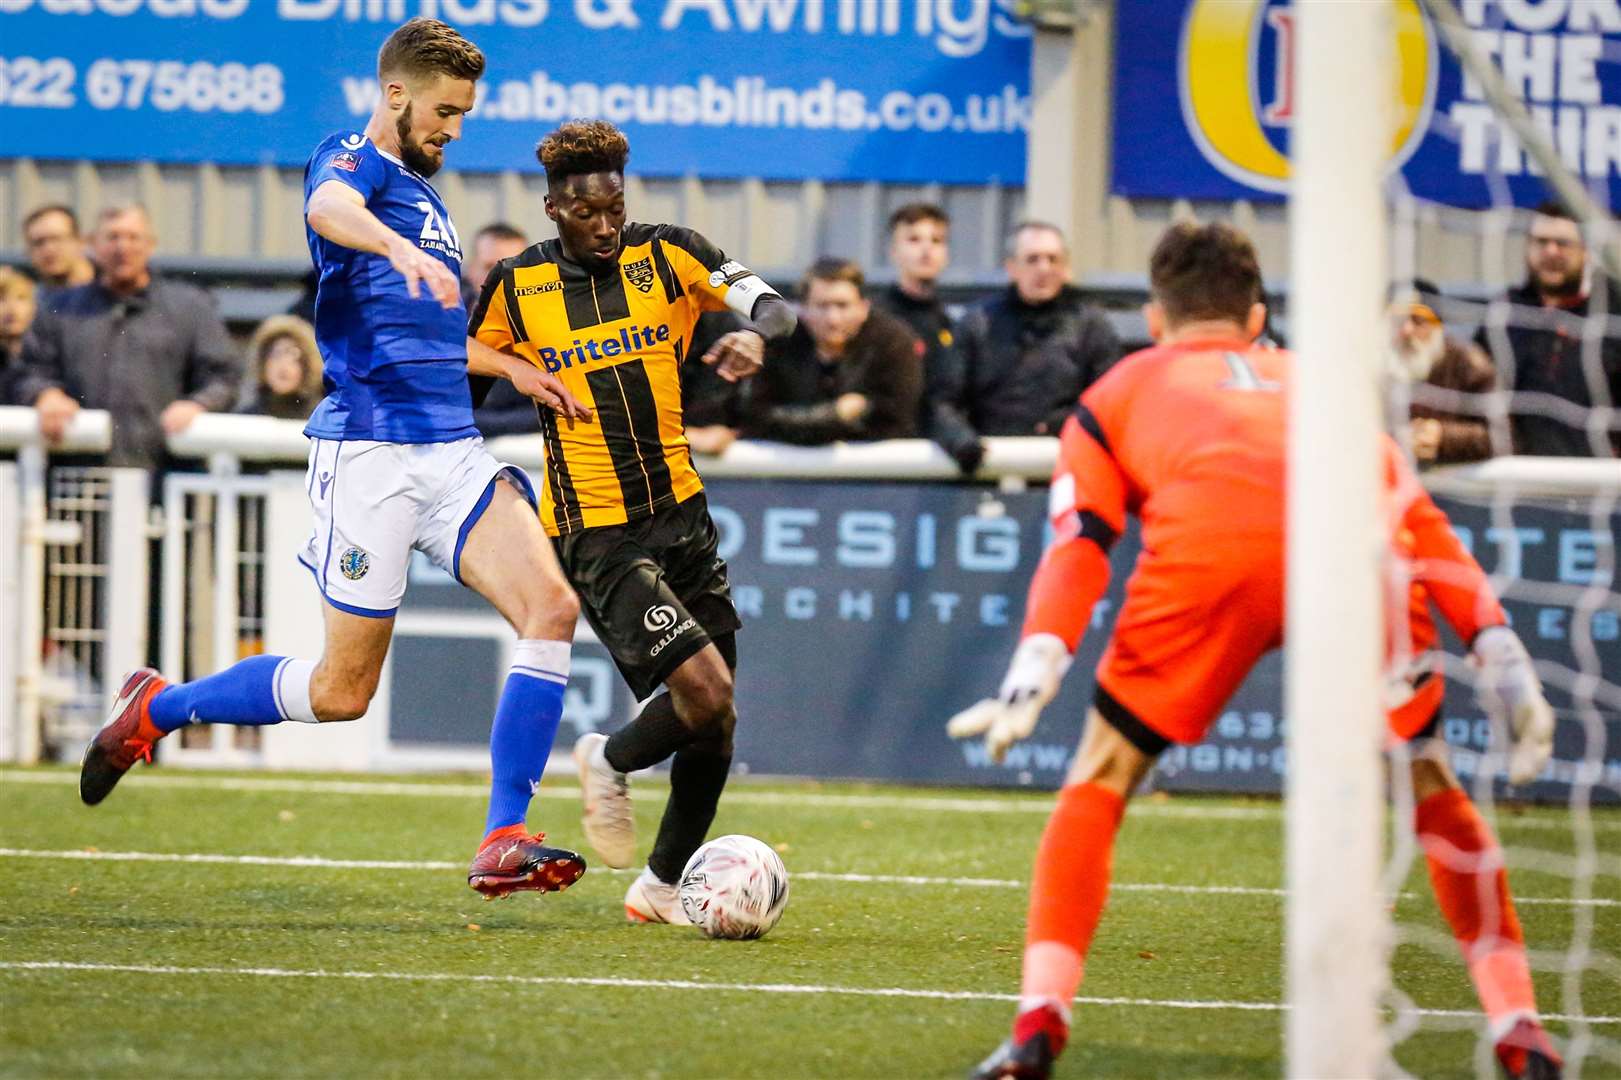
(395, 465)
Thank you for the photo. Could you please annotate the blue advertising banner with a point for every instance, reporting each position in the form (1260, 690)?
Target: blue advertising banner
(1205, 99)
(872, 612)
(898, 90)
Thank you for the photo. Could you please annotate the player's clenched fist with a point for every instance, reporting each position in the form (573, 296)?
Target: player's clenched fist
(1032, 680)
(737, 355)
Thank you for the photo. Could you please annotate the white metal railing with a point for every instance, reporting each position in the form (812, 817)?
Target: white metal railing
(214, 505)
(226, 440)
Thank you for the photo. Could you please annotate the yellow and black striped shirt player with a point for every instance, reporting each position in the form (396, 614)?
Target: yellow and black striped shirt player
(609, 309)
(617, 340)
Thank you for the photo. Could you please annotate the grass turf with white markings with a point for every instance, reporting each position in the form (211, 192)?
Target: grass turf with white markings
(1166, 946)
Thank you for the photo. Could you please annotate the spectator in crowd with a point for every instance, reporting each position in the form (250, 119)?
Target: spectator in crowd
(847, 372)
(1437, 369)
(1538, 334)
(919, 249)
(55, 249)
(503, 411)
(18, 303)
(1027, 353)
(152, 352)
(711, 407)
(491, 244)
(285, 366)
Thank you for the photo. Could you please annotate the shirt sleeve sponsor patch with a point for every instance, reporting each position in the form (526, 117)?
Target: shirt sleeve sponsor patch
(730, 273)
(348, 161)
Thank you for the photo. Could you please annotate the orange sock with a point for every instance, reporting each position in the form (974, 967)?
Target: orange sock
(1067, 894)
(505, 832)
(1471, 889)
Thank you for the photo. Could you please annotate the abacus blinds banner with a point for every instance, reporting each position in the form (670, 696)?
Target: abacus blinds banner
(928, 91)
(1205, 98)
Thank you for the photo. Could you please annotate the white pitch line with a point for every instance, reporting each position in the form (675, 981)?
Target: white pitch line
(922, 803)
(318, 862)
(1142, 807)
(689, 984)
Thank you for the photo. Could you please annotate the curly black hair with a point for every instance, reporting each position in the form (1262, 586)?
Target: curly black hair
(582, 146)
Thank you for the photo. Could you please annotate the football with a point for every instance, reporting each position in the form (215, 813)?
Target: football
(734, 887)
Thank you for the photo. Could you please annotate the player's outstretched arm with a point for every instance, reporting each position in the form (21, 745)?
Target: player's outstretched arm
(338, 213)
(1506, 683)
(1510, 692)
(1070, 578)
(529, 380)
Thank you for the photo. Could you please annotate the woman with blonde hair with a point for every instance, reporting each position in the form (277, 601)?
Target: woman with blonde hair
(286, 369)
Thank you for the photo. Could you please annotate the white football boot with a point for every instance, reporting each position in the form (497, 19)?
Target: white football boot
(610, 826)
(649, 900)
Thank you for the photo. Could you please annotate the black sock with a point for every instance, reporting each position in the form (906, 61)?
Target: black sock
(649, 739)
(697, 777)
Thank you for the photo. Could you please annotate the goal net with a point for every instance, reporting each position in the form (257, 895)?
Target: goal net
(1501, 385)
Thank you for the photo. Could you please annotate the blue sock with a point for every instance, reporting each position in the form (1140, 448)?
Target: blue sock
(525, 725)
(256, 691)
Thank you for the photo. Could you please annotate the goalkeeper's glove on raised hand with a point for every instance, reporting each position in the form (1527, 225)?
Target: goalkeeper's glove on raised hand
(1508, 689)
(1032, 680)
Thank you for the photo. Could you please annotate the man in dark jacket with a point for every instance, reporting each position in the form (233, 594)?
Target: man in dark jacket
(919, 249)
(847, 372)
(1538, 335)
(150, 351)
(711, 407)
(1446, 379)
(1027, 353)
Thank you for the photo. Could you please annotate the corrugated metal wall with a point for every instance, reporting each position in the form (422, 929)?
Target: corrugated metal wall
(246, 215)
(251, 215)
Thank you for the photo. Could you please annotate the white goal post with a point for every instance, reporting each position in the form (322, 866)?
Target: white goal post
(1337, 935)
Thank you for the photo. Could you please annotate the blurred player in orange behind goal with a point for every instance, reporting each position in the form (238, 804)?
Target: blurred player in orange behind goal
(1190, 436)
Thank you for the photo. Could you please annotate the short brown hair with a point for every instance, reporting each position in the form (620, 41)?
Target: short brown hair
(914, 212)
(580, 147)
(833, 268)
(500, 230)
(424, 47)
(1204, 272)
(49, 209)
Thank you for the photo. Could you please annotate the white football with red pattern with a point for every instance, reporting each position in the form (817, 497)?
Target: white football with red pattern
(734, 887)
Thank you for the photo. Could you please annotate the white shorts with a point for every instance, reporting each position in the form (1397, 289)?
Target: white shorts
(375, 501)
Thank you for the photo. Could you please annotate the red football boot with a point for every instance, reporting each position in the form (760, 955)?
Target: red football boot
(127, 737)
(509, 861)
(1526, 1053)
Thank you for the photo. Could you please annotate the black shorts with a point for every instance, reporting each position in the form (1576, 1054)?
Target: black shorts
(654, 590)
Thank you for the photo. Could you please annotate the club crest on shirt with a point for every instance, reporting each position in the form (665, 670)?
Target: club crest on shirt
(640, 274)
(348, 161)
(354, 563)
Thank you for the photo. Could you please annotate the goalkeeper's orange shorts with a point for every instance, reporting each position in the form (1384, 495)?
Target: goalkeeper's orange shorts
(1189, 633)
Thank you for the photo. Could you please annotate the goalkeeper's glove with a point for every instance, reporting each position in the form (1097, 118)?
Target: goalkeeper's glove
(1510, 692)
(1032, 680)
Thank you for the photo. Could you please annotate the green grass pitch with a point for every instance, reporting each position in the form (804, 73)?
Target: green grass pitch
(292, 967)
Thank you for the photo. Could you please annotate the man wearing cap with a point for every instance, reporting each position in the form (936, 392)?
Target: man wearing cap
(1447, 379)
